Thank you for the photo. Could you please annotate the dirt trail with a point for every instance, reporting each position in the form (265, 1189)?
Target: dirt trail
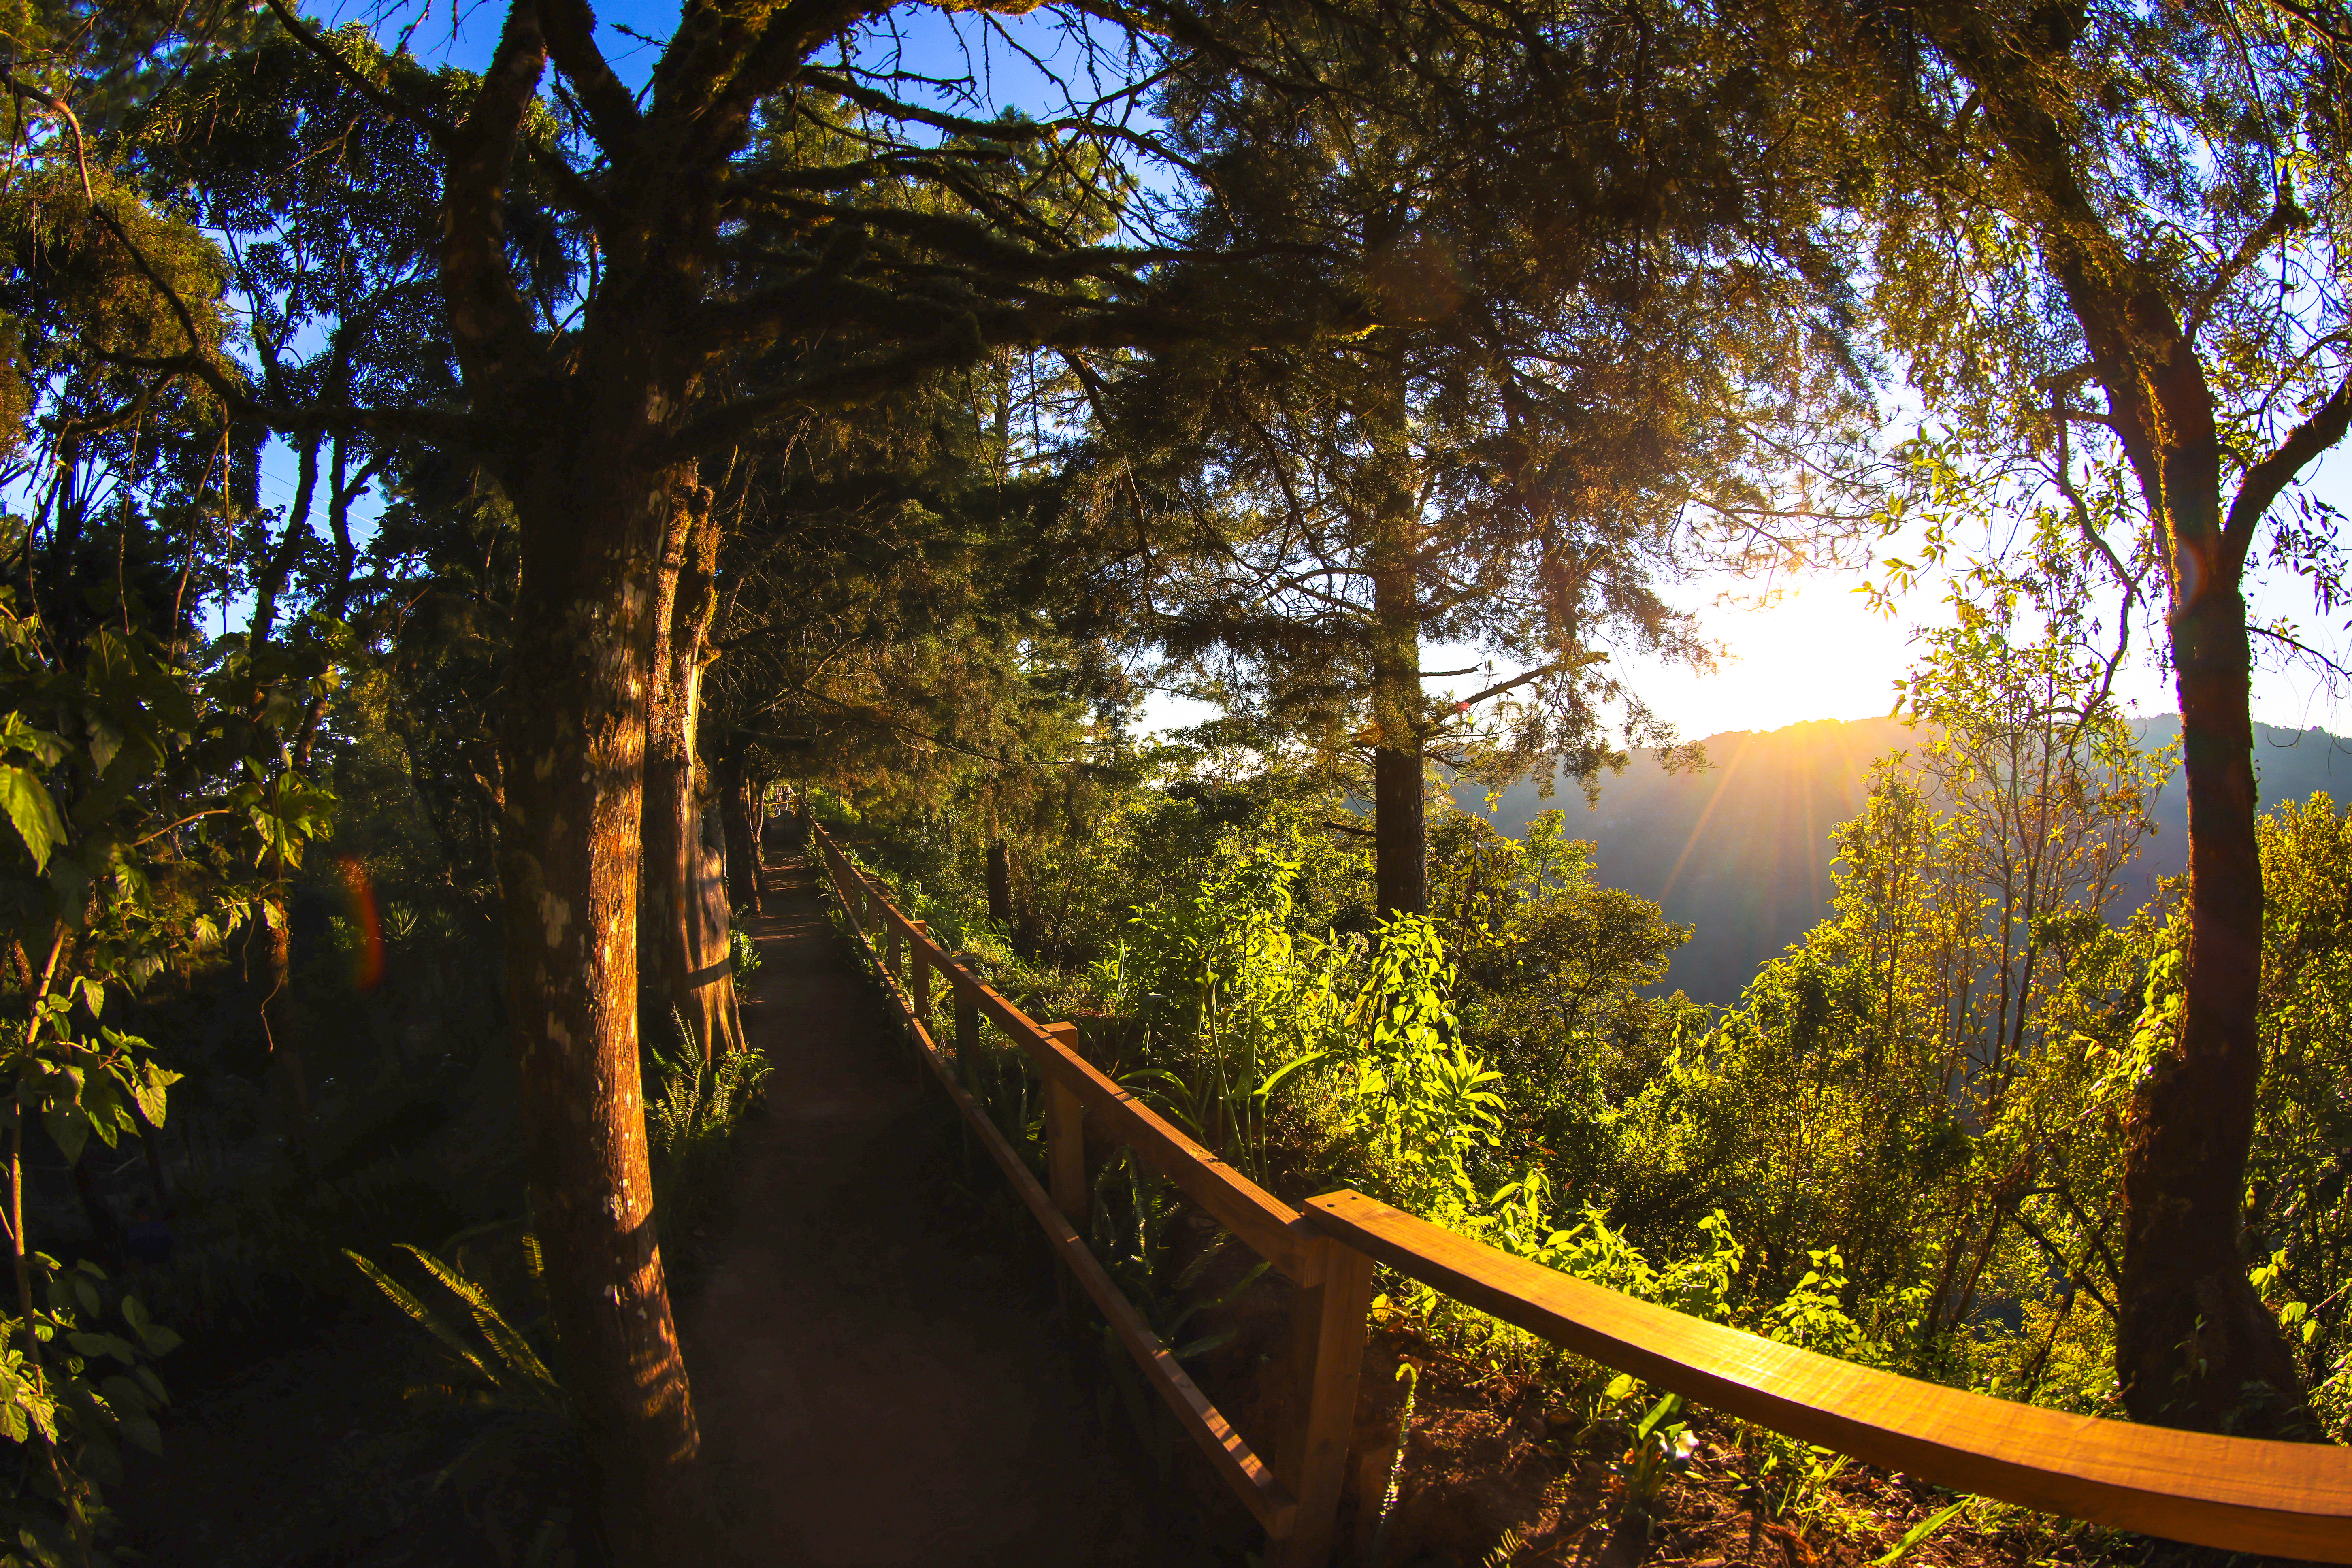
(883, 1375)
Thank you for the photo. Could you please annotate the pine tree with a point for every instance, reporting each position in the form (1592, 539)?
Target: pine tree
(1587, 333)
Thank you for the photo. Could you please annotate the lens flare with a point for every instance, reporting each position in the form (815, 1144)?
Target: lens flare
(367, 959)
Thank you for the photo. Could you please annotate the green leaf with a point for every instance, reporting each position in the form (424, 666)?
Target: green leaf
(142, 1430)
(96, 1344)
(26, 800)
(70, 1127)
(125, 1396)
(16, 735)
(510, 1346)
(1918, 1534)
(105, 737)
(147, 1082)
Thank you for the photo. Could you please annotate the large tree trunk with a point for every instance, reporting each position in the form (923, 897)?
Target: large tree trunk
(676, 981)
(573, 741)
(1400, 832)
(2194, 1346)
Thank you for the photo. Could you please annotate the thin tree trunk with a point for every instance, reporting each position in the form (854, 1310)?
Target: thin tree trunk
(1000, 882)
(573, 742)
(1399, 830)
(734, 783)
(709, 933)
(279, 1028)
(755, 824)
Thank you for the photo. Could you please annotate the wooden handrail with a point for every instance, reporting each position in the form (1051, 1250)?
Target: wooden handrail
(1267, 1226)
(1299, 1507)
(1231, 1458)
(2243, 1494)
(2292, 1498)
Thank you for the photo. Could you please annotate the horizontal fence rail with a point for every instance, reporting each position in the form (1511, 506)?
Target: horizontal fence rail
(1296, 1499)
(2244, 1494)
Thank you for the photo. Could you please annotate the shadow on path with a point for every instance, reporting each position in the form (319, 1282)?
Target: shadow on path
(883, 1374)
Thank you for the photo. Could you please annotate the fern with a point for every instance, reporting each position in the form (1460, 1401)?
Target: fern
(1510, 1546)
(506, 1372)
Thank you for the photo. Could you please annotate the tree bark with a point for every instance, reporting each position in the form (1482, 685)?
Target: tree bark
(734, 782)
(674, 981)
(755, 824)
(1399, 830)
(573, 740)
(1000, 882)
(2195, 1345)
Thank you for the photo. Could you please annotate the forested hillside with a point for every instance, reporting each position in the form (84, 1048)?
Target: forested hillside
(1740, 849)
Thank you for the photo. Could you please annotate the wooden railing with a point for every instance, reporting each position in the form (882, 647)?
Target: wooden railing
(2291, 1500)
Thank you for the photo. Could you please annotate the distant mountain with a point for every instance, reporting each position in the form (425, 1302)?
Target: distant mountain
(1741, 850)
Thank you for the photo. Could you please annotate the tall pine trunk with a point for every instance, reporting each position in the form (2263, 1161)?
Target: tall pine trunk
(1400, 836)
(573, 741)
(677, 979)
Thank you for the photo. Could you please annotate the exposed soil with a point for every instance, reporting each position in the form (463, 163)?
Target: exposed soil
(884, 1374)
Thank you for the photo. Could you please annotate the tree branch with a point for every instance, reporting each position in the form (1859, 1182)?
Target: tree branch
(731, 423)
(572, 42)
(2286, 218)
(489, 322)
(1537, 673)
(391, 103)
(58, 106)
(2263, 482)
(405, 419)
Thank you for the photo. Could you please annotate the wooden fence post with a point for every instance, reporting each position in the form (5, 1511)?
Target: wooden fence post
(1065, 1138)
(918, 982)
(893, 948)
(1327, 1327)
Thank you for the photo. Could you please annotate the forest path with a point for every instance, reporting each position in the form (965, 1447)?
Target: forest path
(882, 1373)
